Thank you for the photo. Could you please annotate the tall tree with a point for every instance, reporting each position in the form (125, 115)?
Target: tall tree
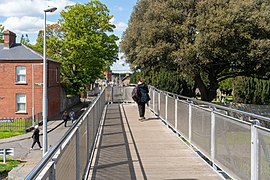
(1, 33)
(83, 42)
(225, 39)
(24, 40)
(87, 47)
(209, 40)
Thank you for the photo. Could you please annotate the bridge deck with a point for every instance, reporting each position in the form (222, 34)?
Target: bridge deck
(133, 149)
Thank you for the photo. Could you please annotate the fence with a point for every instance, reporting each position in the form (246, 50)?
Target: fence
(237, 145)
(19, 124)
(229, 138)
(70, 157)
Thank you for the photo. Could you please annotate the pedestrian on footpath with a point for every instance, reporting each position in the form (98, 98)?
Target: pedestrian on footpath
(143, 97)
(35, 137)
(65, 117)
(72, 115)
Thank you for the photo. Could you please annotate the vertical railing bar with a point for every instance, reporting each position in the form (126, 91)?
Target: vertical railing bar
(159, 103)
(254, 152)
(213, 138)
(175, 113)
(166, 109)
(77, 155)
(189, 121)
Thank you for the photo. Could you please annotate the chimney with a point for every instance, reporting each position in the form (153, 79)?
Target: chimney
(9, 39)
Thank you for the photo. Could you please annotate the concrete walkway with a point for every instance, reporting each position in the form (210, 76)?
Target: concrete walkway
(133, 149)
(22, 144)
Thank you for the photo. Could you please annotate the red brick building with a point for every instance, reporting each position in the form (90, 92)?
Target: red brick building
(21, 77)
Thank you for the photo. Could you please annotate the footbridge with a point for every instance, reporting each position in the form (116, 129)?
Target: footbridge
(181, 138)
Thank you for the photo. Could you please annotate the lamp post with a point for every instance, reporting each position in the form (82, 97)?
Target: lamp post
(44, 97)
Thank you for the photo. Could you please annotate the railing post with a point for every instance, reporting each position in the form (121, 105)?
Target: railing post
(159, 104)
(112, 94)
(189, 121)
(4, 156)
(175, 113)
(77, 155)
(166, 109)
(154, 100)
(213, 138)
(254, 151)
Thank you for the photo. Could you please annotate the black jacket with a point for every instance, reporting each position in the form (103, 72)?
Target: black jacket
(36, 135)
(144, 96)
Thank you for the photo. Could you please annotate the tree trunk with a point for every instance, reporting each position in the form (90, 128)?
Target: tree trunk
(207, 93)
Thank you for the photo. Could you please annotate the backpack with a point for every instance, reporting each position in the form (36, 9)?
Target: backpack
(135, 94)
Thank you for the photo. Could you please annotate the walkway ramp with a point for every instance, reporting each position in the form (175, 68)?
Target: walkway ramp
(133, 149)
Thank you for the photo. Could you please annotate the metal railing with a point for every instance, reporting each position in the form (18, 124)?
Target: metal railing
(237, 145)
(21, 124)
(69, 158)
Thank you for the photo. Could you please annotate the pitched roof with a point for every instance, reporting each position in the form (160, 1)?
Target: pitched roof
(20, 52)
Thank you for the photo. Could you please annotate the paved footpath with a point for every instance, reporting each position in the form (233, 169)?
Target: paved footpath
(22, 144)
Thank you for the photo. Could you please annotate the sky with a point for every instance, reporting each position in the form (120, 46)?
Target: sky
(27, 17)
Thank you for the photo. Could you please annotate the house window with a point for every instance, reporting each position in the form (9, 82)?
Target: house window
(21, 103)
(21, 74)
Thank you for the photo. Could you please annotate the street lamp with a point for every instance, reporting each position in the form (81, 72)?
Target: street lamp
(45, 98)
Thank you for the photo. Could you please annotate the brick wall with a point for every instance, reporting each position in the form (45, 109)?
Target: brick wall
(9, 88)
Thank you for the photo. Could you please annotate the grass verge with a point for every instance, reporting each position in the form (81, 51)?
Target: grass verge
(10, 133)
(9, 165)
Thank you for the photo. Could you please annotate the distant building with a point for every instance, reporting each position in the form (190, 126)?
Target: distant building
(21, 74)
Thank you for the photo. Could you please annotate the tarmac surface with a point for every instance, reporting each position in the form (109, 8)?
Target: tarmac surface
(22, 143)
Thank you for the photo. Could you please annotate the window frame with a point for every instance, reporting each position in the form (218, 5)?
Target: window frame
(17, 103)
(18, 75)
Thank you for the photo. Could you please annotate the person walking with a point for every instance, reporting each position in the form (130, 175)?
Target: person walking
(72, 115)
(143, 97)
(35, 137)
(65, 117)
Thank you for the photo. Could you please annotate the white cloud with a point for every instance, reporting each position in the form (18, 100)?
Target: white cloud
(25, 24)
(30, 7)
(120, 26)
(119, 8)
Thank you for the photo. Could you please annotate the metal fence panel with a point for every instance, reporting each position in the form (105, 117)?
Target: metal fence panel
(65, 164)
(201, 129)
(83, 147)
(264, 154)
(171, 111)
(127, 94)
(182, 118)
(118, 93)
(162, 105)
(233, 146)
(90, 119)
(156, 94)
(151, 94)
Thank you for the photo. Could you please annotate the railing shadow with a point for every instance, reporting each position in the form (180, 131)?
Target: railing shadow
(113, 159)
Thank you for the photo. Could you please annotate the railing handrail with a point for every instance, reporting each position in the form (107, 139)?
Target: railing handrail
(49, 155)
(215, 105)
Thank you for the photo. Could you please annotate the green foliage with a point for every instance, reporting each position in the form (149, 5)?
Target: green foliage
(88, 49)
(208, 41)
(83, 42)
(24, 40)
(10, 133)
(1, 33)
(251, 91)
(10, 164)
(170, 81)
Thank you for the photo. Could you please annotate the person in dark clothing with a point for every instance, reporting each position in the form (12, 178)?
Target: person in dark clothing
(72, 115)
(143, 98)
(65, 117)
(35, 137)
